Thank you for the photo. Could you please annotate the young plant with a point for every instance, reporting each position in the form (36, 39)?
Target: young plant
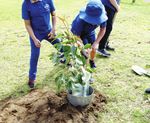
(77, 73)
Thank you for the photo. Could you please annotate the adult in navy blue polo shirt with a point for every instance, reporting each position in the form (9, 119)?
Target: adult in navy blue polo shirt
(86, 22)
(36, 15)
(111, 7)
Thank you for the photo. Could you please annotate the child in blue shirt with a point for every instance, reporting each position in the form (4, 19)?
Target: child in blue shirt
(86, 22)
(36, 15)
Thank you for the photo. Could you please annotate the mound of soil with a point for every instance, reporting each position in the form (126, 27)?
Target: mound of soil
(41, 106)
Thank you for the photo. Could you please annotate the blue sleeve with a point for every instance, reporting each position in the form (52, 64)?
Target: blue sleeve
(77, 26)
(104, 24)
(25, 12)
(51, 4)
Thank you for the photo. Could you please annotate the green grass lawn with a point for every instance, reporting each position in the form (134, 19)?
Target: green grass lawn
(114, 78)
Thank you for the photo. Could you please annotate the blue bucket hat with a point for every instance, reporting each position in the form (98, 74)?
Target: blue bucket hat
(94, 13)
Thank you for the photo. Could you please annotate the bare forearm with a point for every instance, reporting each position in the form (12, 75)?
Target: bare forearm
(114, 3)
(79, 41)
(53, 14)
(100, 34)
(30, 32)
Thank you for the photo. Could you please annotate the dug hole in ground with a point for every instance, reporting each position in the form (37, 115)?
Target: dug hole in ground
(44, 106)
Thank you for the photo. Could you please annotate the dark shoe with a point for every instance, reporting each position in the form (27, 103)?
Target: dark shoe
(63, 61)
(147, 91)
(103, 52)
(61, 56)
(92, 64)
(31, 83)
(110, 48)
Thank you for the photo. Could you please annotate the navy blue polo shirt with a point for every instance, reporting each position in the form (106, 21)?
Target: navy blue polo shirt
(39, 14)
(108, 4)
(82, 28)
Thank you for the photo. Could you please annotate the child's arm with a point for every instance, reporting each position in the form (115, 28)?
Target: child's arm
(31, 33)
(52, 33)
(96, 43)
(99, 37)
(79, 42)
(115, 4)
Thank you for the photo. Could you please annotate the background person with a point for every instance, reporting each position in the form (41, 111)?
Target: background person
(112, 7)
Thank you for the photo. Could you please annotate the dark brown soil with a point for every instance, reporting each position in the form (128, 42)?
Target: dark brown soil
(41, 106)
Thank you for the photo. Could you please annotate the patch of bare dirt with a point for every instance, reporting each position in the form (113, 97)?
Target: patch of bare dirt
(41, 106)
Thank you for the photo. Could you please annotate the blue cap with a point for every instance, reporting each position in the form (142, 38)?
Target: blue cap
(94, 13)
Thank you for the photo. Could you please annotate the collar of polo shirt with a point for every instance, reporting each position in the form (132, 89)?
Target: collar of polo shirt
(34, 1)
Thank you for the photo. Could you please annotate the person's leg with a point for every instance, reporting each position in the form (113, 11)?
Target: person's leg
(35, 52)
(108, 47)
(84, 52)
(103, 42)
(53, 41)
(91, 39)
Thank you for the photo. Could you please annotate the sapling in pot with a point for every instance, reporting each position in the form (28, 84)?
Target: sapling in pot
(76, 73)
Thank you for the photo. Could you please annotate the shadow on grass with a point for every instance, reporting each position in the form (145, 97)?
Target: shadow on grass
(100, 56)
(23, 89)
(49, 79)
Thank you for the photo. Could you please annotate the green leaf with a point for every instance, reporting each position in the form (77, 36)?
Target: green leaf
(55, 58)
(83, 60)
(89, 69)
(80, 59)
(60, 35)
(59, 82)
(67, 48)
(73, 50)
(69, 85)
(68, 41)
(79, 78)
(58, 46)
(68, 59)
(87, 46)
(73, 79)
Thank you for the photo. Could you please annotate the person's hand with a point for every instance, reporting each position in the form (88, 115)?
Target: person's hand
(95, 45)
(118, 8)
(37, 43)
(52, 34)
(79, 44)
